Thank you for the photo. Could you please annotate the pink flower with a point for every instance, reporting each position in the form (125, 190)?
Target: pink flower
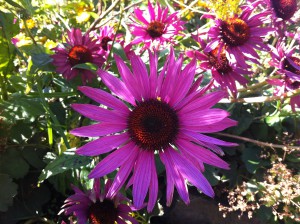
(282, 12)
(79, 49)
(156, 27)
(240, 35)
(105, 39)
(165, 116)
(223, 72)
(289, 66)
(97, 207)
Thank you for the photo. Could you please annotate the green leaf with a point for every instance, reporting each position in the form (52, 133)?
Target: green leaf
(8, 189)
(7, 50)
(251, 158)
(67, 161)
(87, 66)
(211, 174)
(119, 50)
(12, 163)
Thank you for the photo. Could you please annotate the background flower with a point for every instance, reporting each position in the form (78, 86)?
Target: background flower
(240, 35)
(155, 27)
(95, 206)
(79, 49)
(289, 66)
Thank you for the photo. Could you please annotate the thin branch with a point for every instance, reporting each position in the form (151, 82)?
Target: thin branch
(94, 24)
(259, 143)
(190, 7)
(117, 13)
(262, 99)
(260, 84)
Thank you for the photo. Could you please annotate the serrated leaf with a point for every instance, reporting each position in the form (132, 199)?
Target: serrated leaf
(67, 161)
(8, 189)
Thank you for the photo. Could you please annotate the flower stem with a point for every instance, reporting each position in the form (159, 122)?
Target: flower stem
(52, 115)
(3, 86)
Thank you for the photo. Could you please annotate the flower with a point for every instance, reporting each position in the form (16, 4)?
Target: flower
(240, 35)
(156, 27)
(107, 34)
(95, 206)
(167, 117)
(289, 66)
(223, 72)
(79, 49)
(281, 11)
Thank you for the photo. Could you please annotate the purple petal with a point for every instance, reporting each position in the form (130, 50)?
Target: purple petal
(96, 130)
(116, 86)
(202, 117)
(113, 161)
(102, 145)
(200, 153)
(123, 174)
(99, 114)
(191, 173)
(142, 177)
(103, 97)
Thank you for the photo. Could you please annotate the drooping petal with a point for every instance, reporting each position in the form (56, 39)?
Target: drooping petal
(112, 161)
(191, 173)
(96, 130)
(102, 145)
(99, 114)
(103, 97)
(141, 177)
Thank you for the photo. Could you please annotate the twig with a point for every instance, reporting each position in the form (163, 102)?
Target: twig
(112, 6)
(117, 13)
(259, 143)
(189, 7)
(260, 84)
(262, 99)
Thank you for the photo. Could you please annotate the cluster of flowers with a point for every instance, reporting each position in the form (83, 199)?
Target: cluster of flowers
(165, 113)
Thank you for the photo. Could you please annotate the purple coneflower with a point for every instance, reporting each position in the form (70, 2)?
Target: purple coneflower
(155, 27)
(289, 66)
(105, 38)
(97, 207)
(240, 35)
(165, 115)
(223, 72)
(79, 49)
(281, 11)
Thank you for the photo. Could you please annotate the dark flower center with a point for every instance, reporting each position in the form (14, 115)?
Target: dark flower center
(153, 125)
(104, 42)
(220, 63)
(103, 212)
(235, 32)
(284, 9)
(79, 54)
(291, 68)
(156, 29)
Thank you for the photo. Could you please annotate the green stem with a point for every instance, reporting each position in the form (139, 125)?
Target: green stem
(3, 86)
(52, 95)
(119, 24)
(29, 33)
(52, 115)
